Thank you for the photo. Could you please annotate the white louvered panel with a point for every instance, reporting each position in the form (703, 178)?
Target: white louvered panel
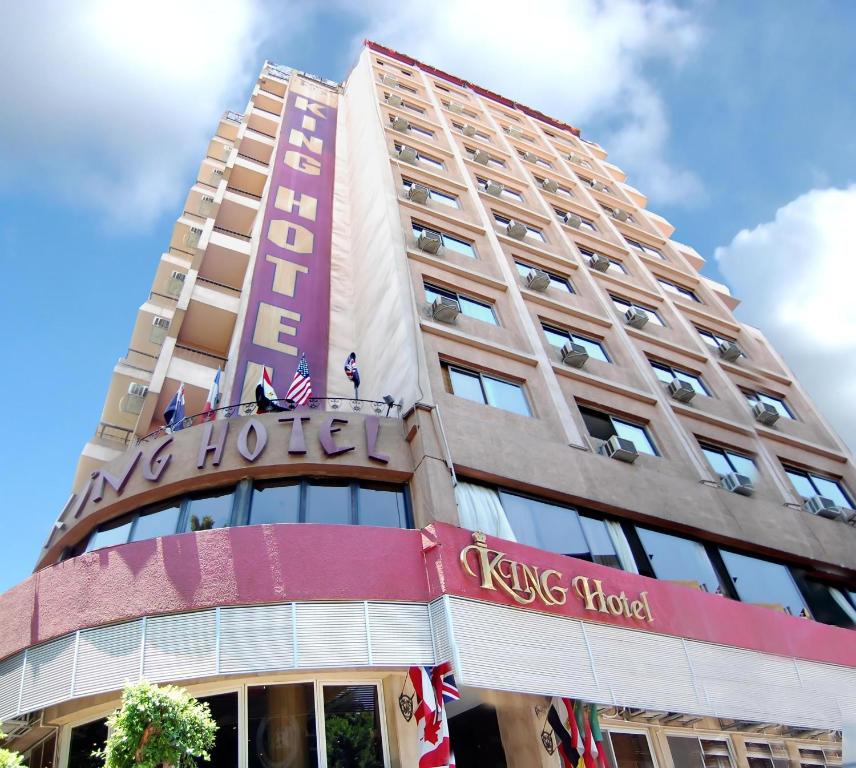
(777, 704)
(256, 639)
(643, 669)
(826, 677)
(47, 674)
(517, 650)
(331, 635)
(721, 663)
(400, 634)
(108, 657)
(441, 630)
(10, 685)
(180, 646)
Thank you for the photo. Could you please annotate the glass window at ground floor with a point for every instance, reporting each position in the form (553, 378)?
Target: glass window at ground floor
(628, 750)
(224, 710)
(84, 740)
(693, 752)
(677, 559)
(43, 755)
(763, 583)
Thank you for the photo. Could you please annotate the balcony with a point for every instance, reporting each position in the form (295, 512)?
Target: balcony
(230, 124)
(263, 120)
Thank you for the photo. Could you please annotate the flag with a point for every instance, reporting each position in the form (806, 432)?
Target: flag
(174, 413)
(445, 687)
(301, 385)
(213, 399)
(266, 397)
(559, 717)
(435, 750)
(351, 370)
(597, 735)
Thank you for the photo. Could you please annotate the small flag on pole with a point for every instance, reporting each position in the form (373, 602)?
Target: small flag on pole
(352, 372)
(266, 397)
(213, 399)
(301, 385)
(174, 413)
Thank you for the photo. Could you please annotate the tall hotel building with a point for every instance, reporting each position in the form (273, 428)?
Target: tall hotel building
(569, 470)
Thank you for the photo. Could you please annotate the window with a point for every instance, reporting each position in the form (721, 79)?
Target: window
(628, 217)
(531, 157)
(598, 186)
(666, 373)
(568, 218)
(808, 484)
(764, 583)
(336, 503)
(435, 194)
(674, 558)
(535, 234)
(224, 710)
(473, 308)
(559, 529)
(556, 281)
(603, 426)
(478, 134)
(762, 754)
(724, 461)
(511, 194)
(449, 241)
(648, 249)
(492, 161)
(559, 188)
(777, 403)
(408, 105)
(483, 388)
(422, 157)
(628, 750)
(421, 131)
(110, 534)
(85, 739)
(693, 752)
(678, 290)
(622, 305)
(43, 754)
(615, 266)
(352, 726)
(467, 112)
(211, 511)
(713, 339)
(829, 604)
(155, 522)
(558, 338)
(279, 715)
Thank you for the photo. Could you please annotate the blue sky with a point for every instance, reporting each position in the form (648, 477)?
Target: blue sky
(736, 118)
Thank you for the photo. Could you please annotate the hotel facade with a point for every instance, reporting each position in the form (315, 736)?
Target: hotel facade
(568, 469)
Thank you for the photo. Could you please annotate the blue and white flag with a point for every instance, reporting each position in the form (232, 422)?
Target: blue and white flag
(174, 413)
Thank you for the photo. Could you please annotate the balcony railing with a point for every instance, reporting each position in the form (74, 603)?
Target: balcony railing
(254, 159)
(235, 117)
(231, 232)
(338, 404)
(244, 193)
(206, 281)
(114, 434)
(206, 358)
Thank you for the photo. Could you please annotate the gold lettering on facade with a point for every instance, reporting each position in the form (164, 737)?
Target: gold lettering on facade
(270, 324)
(299, 139)
(285, 274)
(309, 123)
(290, 236)
(303, 163)
(526, 583)
(306, 204)
(302, 103)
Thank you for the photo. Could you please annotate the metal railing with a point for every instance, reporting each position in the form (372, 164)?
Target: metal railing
(243, 192)
(338, 404)
(231, 232)
(262, 109)
(254, 159)
(235, 117)
(114, 433)
(208, 356)
(218, 285)
(256, 130)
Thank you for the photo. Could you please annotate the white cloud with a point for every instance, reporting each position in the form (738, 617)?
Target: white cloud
(796, 275)
(111, 104)
(583, 62)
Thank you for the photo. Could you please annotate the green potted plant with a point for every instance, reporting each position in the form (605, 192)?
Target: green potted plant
(158, 727)
(9, 759)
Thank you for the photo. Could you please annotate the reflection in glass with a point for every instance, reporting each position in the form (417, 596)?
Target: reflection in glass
(352, 726)
(677, 559)
(381, 506)
(599, 542)
(85, 739)
(110, 534)
(224, 710)
(328, 504)
(763, 582)
(629, 750)
(546, 526)
(509, 397)
(209, 512)
(281, 726)
(275, 504)
(636, 435)
(154, 523)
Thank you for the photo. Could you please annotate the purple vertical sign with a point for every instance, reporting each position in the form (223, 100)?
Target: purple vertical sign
(288, 313)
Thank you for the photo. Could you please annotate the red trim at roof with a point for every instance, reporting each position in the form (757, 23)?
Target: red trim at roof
(410, 61)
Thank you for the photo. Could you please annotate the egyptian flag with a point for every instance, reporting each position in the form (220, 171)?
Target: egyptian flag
(266, 397)
(561, 720)
(174, 413)
(351, 370)
(597, 736)
(213, 399)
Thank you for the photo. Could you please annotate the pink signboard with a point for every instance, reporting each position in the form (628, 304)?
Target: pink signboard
(289, 302)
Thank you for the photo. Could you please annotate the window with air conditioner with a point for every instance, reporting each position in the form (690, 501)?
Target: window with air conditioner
(558, 338)
(531, 232)
(809, 484)
(678, 290)
(450, 242)
(776, 403)
(613, 266)
(622, 305)
(724, 461)
(556, 281)
(470, 307)
(602, 426)
(667, 373)
(422, 157)
(650, 250)
(436, 195)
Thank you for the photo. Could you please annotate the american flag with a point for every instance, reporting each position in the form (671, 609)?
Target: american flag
(301, 385)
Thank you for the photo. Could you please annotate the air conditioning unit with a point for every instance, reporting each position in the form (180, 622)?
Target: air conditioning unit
(160, 325)
(456, 107)
(516, 230)
(598, 186)
(729, 351)
(529, 157)
(572, 220)
(469, 130)
(407, 155)
(493, 188)
(550, 185)
(206, 205)
(574, 355)
(445, 309)
(737, 483)
(636, 317)
(598, 262)
(133, 401)
(620, 215)
(176, 283)
(575, 159)
(823, 507)
(394, 100)
(517, 133)
(619, 448)
(418, 193)
(429, 241)
(400, 124)
(481, 157)
(389, 80)
(191, 239)
(765, 413)
(537, 280)
(681, 391)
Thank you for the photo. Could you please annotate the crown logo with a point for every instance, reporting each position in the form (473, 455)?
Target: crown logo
(479, 538)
